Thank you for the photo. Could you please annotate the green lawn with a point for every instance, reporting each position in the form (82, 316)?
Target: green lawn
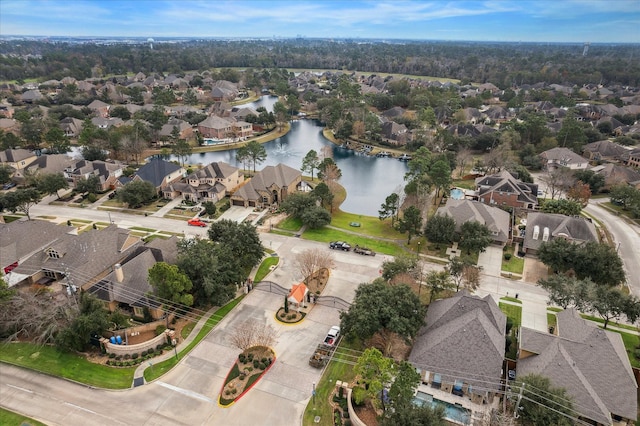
(157, 370)
(328, 234)
(515, 264)
(48, 360)
(9, 418)
(290, 224)
(336, 370)
(511, 299)
(369, 225)
(552, 320)
(512, 311)
(265, 268)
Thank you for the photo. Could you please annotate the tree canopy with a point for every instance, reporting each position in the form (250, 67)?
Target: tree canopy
(538, 395)
(440, 229)
(136, 193)
(171, 284)
(474, 236)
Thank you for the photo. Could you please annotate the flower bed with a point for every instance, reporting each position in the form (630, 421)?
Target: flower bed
(250, 366)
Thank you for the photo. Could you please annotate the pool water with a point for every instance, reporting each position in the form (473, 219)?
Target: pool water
(457, 194)
(451, 411)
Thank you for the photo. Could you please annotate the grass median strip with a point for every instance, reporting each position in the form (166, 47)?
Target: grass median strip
(9, 418)
(161, 368)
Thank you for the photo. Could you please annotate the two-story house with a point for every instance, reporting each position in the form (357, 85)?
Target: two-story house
(503, 189)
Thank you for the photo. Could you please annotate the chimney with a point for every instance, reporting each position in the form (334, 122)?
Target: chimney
(119, 274)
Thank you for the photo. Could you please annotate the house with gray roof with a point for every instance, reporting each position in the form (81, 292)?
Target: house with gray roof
(210, 183)
(268, 187)
(160, 173)
(51, 164)
(563, 157)
(615, 174)
(71, 126)
(604, 150)
(84, 259)
(543, 227)
(21, 239)
(503, 189)
(107, 172)
(127, 286)
(18, 160)
(497, 220)
(461, 348)
(589, 362)
(215, 127)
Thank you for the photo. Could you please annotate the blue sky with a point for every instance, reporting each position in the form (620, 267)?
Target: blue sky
(492, 20)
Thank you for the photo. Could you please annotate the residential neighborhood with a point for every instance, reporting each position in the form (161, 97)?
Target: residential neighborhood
(163, 228)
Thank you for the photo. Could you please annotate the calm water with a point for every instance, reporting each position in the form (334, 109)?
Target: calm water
(367, 180)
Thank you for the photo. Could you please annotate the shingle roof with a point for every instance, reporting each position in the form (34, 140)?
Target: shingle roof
(156, 170)
(563, 155)
(463, 339)
(504, 181)
(14, 155)
(577, 229)
(590, 363)
(280, 176)
(22, 238)
(496, 219)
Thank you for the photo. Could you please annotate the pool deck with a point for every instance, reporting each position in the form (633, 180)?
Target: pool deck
(477, 411)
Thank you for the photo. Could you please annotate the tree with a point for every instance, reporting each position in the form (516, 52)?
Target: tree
(171, 284)
(253, 333)
(558, 181)
(323, 193)
(58, 142)
(242, 156)
(137, 192)
(297, 203)
(440, 174)
(5, 173)
(310, 162)
(599, 262)
(471, 276)
(399, 265)
(474, 236)
(240, 245)
(93, 153)
(558, 254)
(609, 303)
(90, 184)
(594, 180)
(438, 281)
(411, 222)
(566, 291)
(544, 404)
(256, 153)
(579, 193)
(209, 208)
(316, 217)
(455, 268)
(91, 320)
(51, 183)
(440, 229)
(389, 208)
(375, 372)
(563, 206)
(313, 260)
(181, 149)
(371, 312)
(21, 200)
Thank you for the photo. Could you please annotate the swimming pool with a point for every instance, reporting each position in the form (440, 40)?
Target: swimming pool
(457, 194)
(451, 411)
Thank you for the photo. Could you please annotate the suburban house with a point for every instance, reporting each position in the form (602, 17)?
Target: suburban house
(99, 108)
(460, 350)
(82, 259)
(615, 174)
(632, 158)
(211, 183)
(51, 164)
(215, 127)
(604, 151)
(185, 131)
(160, 173)
(107, 122)
(127, 287)
(589, 362)
(497, 220)
(563, 157)
(20, 239)
(71, 126)
(543, 227)
(268, 187)
(394, 133)
(503, 189)
(107, 172)
(17, 160)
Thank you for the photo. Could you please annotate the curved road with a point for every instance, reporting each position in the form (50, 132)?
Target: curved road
(627, 239)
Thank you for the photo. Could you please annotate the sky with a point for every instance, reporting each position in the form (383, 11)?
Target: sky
(595, 21)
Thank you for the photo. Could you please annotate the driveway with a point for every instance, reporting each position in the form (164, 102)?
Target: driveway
(491, 260)
(534, 270)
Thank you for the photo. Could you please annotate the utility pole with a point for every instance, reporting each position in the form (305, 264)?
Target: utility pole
(419, 266)
(516, 410)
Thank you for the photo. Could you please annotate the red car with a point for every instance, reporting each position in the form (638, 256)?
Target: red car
(197, 222)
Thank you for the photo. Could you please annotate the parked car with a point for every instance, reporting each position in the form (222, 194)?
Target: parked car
(339, 245)
(197, 222)
(8, 185)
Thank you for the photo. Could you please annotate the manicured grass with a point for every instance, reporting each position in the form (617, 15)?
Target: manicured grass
(139, 228)
(340, 368)
(48, 360)
(162, 367)
(611, 323)
(515, 264)
(552, 320)
(511, 299)
(466, 184)
(554, 309)
(512, 311)
(290, 224)
(328, 234)
(265, 268)
(9, 418)
(9, 218)
(187, 329)
(369, 225)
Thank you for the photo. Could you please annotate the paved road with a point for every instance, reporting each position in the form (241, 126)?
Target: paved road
(627, 238)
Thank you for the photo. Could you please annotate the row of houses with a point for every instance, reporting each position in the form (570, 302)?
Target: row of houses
(460, 351)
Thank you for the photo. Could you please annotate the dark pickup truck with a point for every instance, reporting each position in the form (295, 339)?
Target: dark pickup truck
(339, 245)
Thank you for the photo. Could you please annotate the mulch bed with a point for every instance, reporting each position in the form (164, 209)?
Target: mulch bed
(243, 375)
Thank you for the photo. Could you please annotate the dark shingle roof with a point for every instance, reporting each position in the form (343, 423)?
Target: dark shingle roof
(577, 229)
(156, 170)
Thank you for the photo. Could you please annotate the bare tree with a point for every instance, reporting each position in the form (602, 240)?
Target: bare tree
(496, 418)
(462, 158)
(310, 261)
(134, 147)
(558, 181)
(253, 333)
(391, 344)
(471, 277)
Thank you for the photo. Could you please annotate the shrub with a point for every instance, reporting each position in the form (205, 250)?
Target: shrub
(127, 356)
(112, 355)
(263, 366)
(118, 357)
(521, 253)
(249, 369)
(507, 256)
(160, 329)
(637, 353)
(250, 357)
(134, 356)
(227, 392)
(143, 353)
(159, 347)
(242, 376)
(242, 358)
(92, 198)
(263, 360)
(359, 395)
(256, 364)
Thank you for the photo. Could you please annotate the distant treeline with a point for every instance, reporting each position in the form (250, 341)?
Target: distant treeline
(503, 64)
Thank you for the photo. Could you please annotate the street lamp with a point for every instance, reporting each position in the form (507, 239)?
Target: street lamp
(313, 392)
